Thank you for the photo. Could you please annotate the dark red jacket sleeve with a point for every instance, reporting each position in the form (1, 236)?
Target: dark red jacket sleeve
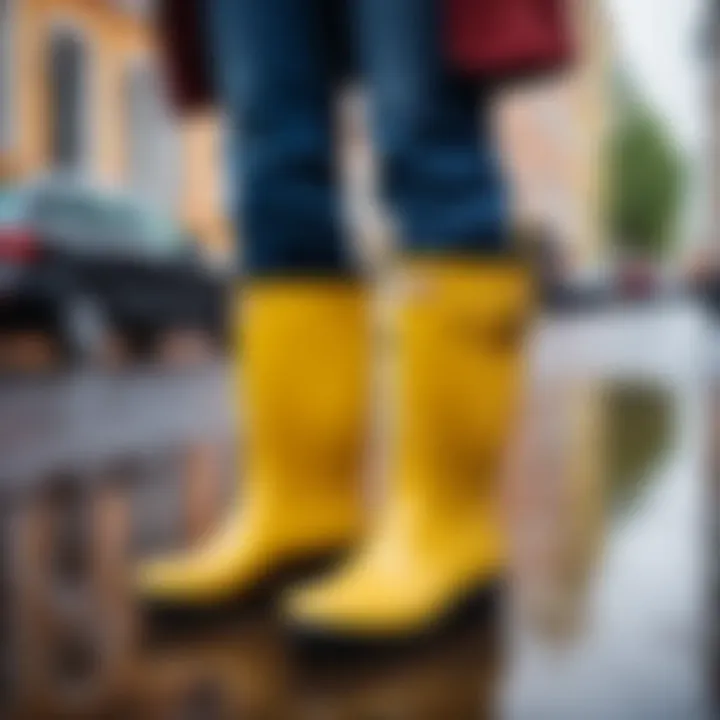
(185, 54)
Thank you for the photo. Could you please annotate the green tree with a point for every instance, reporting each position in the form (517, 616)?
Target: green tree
(646, 183)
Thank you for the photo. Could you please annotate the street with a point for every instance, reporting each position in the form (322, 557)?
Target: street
(607, 500)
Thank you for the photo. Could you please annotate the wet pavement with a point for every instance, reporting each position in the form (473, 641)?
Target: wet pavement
(609, 502)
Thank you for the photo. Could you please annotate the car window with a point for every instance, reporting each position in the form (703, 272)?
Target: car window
(159, 235)
(13, 206)
(93, 221)
(99, 221)
(122, 224)
(67, 215)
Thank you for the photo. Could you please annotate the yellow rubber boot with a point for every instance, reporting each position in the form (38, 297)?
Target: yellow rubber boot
(304, 390)
(439, 536)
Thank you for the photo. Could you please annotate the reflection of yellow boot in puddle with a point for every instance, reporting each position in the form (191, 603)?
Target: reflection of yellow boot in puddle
(304, 348)
(438, 539)
(240, 671)
(455, 677)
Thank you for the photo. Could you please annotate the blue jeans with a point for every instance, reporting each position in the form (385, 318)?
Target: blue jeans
(279, 64)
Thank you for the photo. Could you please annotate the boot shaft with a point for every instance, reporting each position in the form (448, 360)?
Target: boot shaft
(304, 381)
(461, 336)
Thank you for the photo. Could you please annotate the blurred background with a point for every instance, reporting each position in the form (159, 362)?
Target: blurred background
(115, 432)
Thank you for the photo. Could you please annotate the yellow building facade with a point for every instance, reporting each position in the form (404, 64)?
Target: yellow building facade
(80, 93)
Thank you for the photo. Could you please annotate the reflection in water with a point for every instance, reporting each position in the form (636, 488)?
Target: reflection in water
(78, 651)
(75, 646)
(248, 672)
(639, 430)
(556, 505)
(713, 521)
(586, 445)
(67, 599)
(453, 677)
(239, 672)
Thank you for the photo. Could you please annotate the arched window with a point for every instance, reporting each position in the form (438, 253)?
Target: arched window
(68, 87)
(8, 32)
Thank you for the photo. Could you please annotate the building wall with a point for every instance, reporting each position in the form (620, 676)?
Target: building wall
(113, 40)
(119, 41)
(553, 136)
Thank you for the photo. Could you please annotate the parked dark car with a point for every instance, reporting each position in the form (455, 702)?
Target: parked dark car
(82, 264)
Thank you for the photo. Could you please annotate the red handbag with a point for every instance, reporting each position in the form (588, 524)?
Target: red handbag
(502, 40)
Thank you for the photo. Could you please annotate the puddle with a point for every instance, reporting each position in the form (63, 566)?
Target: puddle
(606, 615)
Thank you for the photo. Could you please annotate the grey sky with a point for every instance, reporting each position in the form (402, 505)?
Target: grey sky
(659, 41)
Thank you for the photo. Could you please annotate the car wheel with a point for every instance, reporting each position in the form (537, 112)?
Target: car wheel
(85, 328)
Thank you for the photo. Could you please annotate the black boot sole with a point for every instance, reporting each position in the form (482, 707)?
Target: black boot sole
(318, 647)
(164, 621)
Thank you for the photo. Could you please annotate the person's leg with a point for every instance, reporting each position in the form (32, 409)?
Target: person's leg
(276, 80)
(459, 338)
(439, 167)
(301, 316)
